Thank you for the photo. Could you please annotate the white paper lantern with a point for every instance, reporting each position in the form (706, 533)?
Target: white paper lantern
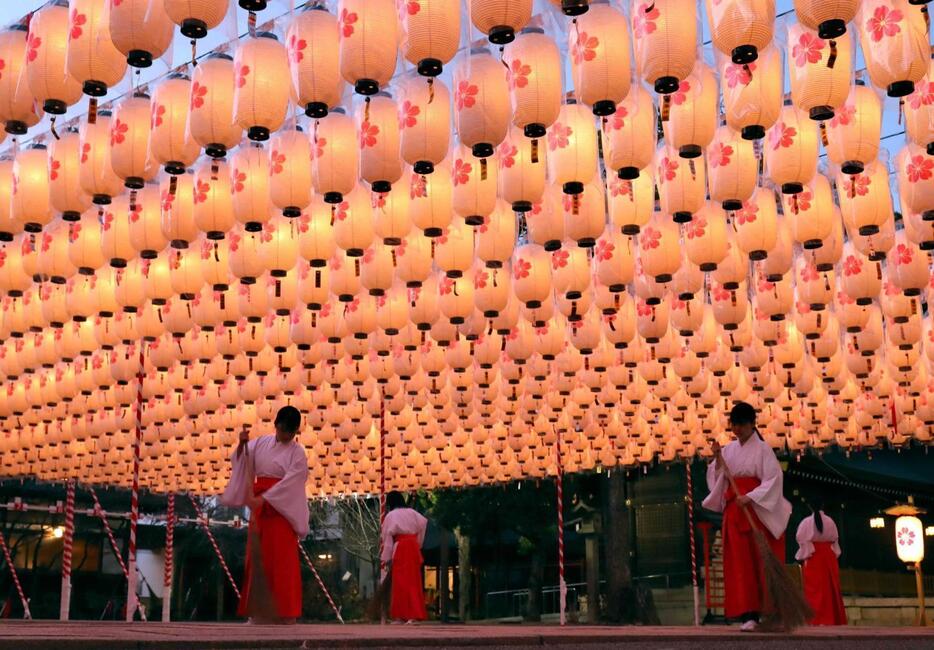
(500, 19)
(141, 30)
(261, 88)
(49, 80)
(91, 56)
(533, 73)
(664, 41)
(600, 60)
(368, 39)
(313, 42)
(211, 117)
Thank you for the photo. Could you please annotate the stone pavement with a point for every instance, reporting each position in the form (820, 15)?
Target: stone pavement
(97, 635)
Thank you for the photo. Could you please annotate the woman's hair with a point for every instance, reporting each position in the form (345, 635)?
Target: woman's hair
(288, 419)
(394, 500)
(816, 505)
(743, 413)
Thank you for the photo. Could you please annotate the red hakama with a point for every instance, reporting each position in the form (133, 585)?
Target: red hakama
(408, 601)
(279, 552)
(744, 575)
(822, 586)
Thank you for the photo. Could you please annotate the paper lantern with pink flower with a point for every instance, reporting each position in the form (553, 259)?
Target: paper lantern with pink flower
(424, 123)
(313, 43)
(658, 248)
(531, 274)
(91, 56)
(430, 33)
(740, 29)
(176, 206)
(212, 197)
(290, 171)
(521, 173)
(29, 200)
(908, 266)
(613, 261)
(140, 30)
(474, 181)
(791, 150)
(171, 143)
(211, 105)
(631, 201)
(250, 176)
(454, 249)
(378, 138)
(496, 236)
(705, 237)
(752, 93)
(692, 113)
(864, 198)
(314, 287)
(545, 221)
(681, 184)
(481, 102)
(827, 256)
(813, 287)
(820, 71)
(96, 174)
(144, 213)
(810, 213)
(261, 87)
(853, 133)
(115, 232)
(572, 148)
(894, 38)
(368, 40)
(353, 222)
(629, 134)
(756, 225)
(600, 59)
(185, 273)
(664, 41)
(919, 112)
(915, 172)
(534, 78)
(585, 214)
(413, 259)
(423, 302)
(130, 129)
(430, 196)
(49, 81)
(731, 168)
(829, 19)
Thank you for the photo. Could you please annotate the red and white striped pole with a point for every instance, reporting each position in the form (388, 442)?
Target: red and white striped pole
(382, 485)
(690, 503)
(562, 585)
(314, 572)
(134, 494)
(217, 549)
(19, 588)
(169, 557)
(99, 511)
(64, 608)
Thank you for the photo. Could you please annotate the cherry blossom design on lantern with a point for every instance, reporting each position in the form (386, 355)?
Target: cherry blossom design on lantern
(77, 20)
(905, 536)
(242, 73)
(239, 180)
(479, 279)
(643, 308)
(517, 74)
(410, 7)
(680, 96)
(884, 22)
(903, 255)
(368, 133)
(167, 199)
(462, 171)
(650, 238)
(136, 211)
(558, 136)
(765, 286)
(782, 136)
(507, 155)
(418, 189)
(808, 49)
(118, 132)
(584, 48)
(620, 187)
(643, 19)
(890, 289)
(346, 22)
(296, 45)
(54, 166)
(465, 95)
(559, 259)
(719, 294)
(858, 186)
(618, 119)
(809, 273)
(341, 211)
(207, 247)
(802, 307)
(369, 255)
(719, 154)
(843, 115)
(408, 115)
(667, 170)
(843, 298)
(923, 95)
(521, 269)
(604, 250)
(739, 74)
(156, 114)
(804, 200)
(485, 225)
(852, 265)
(747, 214)
(377, 200)
(107, 220)
(277, 162)
(32, 48)
(919, 169)
(200, 191)
(445, 286)
(696, 228)
(198, 93)
(2, 66)
(74, 230)
(46, 243)
(400, 249)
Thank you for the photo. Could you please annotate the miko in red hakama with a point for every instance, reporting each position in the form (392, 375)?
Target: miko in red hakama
(279, 554)
(818, 551)
(408, 600)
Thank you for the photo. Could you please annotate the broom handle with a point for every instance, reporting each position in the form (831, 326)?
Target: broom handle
(729, 477)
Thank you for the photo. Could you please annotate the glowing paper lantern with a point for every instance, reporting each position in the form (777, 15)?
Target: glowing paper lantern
(658, 249)
(692, 117)
(820, 71)
(496, 236)
(250, 177)
(145, 222)
(810, 213)
(424, 124)
(430, 34)
(864, 198)
(29, 200)
(919, 112)
(481, 102)
(500, 19)
(211, 117)
(828, 18)
(196, 17)
(680, 183)
(521, 171)
(572, 149)
(91, 56)
(18, 109)
(141, 30)
(212, 196)
(290, 172)
(261, 89)
(172, 145)
(756, 225)
(909, 539)
(49, 81)
(791, 151)
(664, 41)
(353, 223)
(740, 29)
(629, 134)
(600, 59)
(312, 39)
(130, 128)
(893, 35)
(705, 238)
(531, 275)
(915, 169)
(731, 169)
(631, 201)
(533, 74)
(368, 38)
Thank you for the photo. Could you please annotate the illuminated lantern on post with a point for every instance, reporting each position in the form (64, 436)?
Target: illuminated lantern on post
(629, 134)
(261, 89)
(895, 40)
(211, 106)
(290, 172)
(572, 149)
(141, 30)
(600, 60)
(481, 102)
(18, 108)
(196, 17)
(424, 123)
(791, 151)
(48, 77)
(752, 93)
(731, 169)
(820, 71)
(378, 139)
(521, 171)
(533, 74)
(129, 140)
(313, 43)
(368, 43)
(29, 201)
(740, 29)
(91, 56)
(430, 34)
(664, 41)
(172, 146)
(853, 133)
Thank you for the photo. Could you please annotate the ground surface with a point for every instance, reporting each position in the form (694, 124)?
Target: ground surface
(87, 635)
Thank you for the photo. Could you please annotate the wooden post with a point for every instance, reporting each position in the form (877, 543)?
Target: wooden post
(592, 556)
(443, 582)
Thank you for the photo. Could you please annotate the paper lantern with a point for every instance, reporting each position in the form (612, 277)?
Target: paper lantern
(820, 71)
(84, 249)
(214, 264)
(545, 221)
(185, 274)
(752, 93)
(919, 112)
(658, 249)
(531, 275)
(115, 232)
(54, 261)
(211, 106)
(91, 56)
(572, 149)
(908, 266)
(914, 170)
(176, 198)
(600, 60)
(312, 40)
(631, 201)
(828, 18)
(474, 181)
(500, 19)
(481, 102)
(853, 133)
(629, 134)
(368, 38)
(49, 80)
(613, 260)
(496, 236)
(145, 222)
(430, 33)
(680, 184)
(8, 225)
(141, 30)
(791, 151)
(756, 225)
(212, 196)
(391, 216)
(376, 270)
(692, 113)
(893, 35)
(18, 108)
(353, 222)
(29, 199)
(731, 168)
(810, 213)
(521, 171)
(171, 144)
(740, 29)
(130, 128)
(705, 238)
(261, 89)
(316, 236)
(290, 171)
(196, 17)
(378, 137)
(864, 198)
(533, 74)
(65, 193)
(250, 178)
(279, 246)
(424, 124)
(585, 215)
(909, 539)
(664, 41)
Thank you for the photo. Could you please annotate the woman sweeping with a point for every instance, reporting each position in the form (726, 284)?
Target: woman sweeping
(818, 550)
(402, 537)
(757, 477)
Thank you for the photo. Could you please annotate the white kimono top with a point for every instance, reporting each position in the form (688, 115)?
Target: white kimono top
(265, 456)
(808, 534)
(401, 521)
(754, 459)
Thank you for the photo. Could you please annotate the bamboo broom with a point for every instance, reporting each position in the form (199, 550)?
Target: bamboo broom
(261, 604)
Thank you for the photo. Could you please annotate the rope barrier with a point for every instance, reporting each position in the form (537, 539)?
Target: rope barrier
(19, 588)
(314, 572)
(217, 549)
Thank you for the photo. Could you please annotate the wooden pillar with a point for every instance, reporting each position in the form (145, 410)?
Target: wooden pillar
(592, 556)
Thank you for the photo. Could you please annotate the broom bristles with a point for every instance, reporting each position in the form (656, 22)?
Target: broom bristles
(380, 602)
(789, 608)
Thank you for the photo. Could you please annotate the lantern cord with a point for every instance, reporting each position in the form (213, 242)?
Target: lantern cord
(19, 588)
(832, 59)
(194, 53)
(52, 128)
(65, 604)
(314, 572)
(251, 24)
